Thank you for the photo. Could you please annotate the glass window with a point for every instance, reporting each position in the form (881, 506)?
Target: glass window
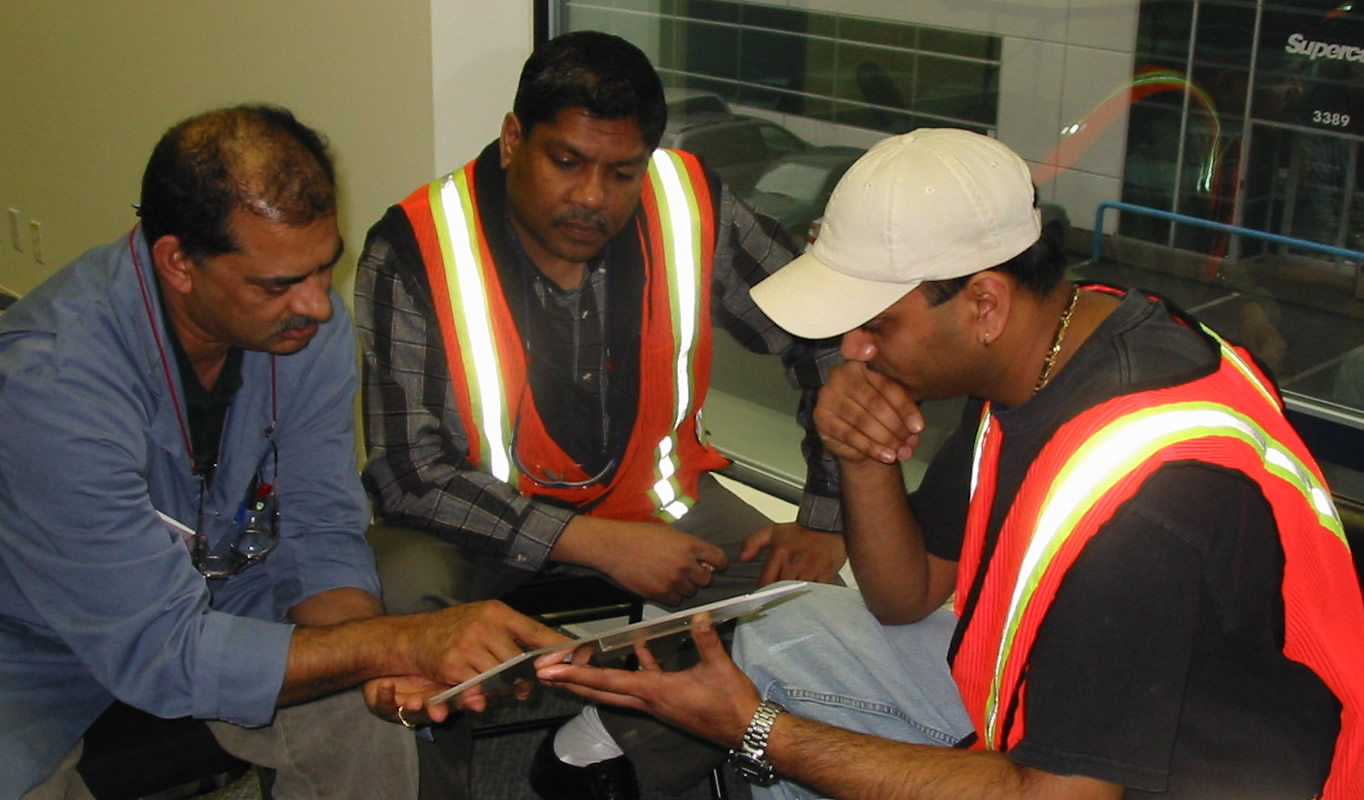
(864, 72)
(1228, 131)
(803, 182)
(1263, 137)
(778, 141)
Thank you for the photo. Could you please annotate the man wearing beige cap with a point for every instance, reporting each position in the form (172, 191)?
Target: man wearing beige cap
(1151, 591)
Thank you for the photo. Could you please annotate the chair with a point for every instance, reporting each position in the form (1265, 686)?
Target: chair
(131, 754)
(571, 599)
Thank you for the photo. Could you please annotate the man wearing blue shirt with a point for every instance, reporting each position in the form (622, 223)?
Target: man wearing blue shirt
(181, 521)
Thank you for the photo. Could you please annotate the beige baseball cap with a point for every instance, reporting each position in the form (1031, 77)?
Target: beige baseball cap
(931, 204)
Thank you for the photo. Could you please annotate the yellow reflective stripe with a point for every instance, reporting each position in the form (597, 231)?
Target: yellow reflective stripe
(454, 216)
(681, 243)
(1237, 361)
(680, 233)
(982, 431)
(1291, 469)
(669, 500)
(663, 490)
(1094, 468)
(677, 509)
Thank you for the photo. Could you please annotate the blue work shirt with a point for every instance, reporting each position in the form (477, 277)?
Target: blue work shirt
(98, 599)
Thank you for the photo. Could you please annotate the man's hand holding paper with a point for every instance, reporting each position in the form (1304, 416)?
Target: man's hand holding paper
(449, 647)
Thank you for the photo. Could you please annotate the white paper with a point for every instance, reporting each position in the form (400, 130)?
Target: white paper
(629, 635)
(185, 532)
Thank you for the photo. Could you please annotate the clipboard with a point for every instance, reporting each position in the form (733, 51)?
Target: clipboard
(634, 633)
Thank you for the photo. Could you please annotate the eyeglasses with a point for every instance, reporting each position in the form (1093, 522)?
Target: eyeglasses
(257, 522)
(541, 476)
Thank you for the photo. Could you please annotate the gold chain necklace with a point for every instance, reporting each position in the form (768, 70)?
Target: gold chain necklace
(1056, 341)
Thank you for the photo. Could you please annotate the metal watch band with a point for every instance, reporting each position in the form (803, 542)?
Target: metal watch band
(749, 758)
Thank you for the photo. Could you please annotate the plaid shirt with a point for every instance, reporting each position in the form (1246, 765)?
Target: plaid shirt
(417, 474)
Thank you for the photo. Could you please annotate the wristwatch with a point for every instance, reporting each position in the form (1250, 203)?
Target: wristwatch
(748, 759)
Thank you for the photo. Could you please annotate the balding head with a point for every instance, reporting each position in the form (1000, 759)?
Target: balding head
(255, 158)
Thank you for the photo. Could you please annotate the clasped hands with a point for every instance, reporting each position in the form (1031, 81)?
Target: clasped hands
(862, 415)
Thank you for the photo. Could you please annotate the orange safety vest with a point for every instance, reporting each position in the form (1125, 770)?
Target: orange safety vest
(1097, 461)
(667, 451)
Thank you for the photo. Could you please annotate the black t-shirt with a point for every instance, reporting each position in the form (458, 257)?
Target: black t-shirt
(205, 409)
(1160, 663)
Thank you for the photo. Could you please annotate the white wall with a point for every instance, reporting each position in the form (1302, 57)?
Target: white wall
(402, 89)
(477, 49)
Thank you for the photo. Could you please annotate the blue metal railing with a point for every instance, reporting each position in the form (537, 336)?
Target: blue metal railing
(1302, 244)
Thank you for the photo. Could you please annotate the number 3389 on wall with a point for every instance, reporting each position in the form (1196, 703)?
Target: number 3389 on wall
(1332, 118)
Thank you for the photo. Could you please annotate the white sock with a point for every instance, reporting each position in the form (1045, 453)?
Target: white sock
(583, 740)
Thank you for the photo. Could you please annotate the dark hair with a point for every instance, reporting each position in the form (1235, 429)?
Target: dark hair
(256, 158)
(604, 74)
(1037, 269)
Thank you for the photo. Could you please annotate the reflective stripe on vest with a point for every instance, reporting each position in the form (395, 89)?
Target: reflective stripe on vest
(680, 219)
(1251, 374)
(1097, 465)
(456, 228)
(1098, 461)
(469, 274)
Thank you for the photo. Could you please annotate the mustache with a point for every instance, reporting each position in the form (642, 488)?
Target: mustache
(595, 219)
(296, 322)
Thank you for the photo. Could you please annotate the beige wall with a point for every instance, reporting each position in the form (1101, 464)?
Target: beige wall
(90, 86)
(477, 49)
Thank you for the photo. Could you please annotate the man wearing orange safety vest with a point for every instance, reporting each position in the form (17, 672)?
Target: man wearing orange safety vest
(537, 329)
(1153, 592)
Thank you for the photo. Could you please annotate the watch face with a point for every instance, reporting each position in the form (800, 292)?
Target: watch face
(752, 769)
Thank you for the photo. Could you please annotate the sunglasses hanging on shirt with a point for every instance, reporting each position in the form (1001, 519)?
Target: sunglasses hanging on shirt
(256, 521)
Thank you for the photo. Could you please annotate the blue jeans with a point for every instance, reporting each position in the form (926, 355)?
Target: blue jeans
(824, 657)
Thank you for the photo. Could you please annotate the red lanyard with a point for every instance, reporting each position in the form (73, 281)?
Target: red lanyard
(181, 418)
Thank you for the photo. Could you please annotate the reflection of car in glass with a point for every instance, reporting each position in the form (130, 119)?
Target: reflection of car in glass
(684, 102)
(794, 188)
(736, 147)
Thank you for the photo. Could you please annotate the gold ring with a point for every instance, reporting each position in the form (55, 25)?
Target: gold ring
(405, 723)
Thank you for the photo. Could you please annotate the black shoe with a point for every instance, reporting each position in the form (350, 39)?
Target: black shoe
(552, 779)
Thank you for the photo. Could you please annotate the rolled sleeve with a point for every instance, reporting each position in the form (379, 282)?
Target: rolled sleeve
(240, 668)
